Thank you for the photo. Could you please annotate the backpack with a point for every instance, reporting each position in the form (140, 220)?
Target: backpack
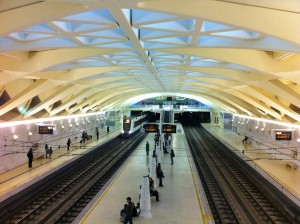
(134, 212)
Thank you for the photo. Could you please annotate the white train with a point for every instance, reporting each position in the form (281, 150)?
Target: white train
(133, 124)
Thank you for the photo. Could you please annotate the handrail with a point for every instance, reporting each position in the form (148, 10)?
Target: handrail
(293, 195)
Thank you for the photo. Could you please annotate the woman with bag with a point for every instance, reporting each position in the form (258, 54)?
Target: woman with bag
(172, 155)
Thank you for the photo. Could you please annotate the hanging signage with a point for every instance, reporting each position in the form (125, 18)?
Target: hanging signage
(46, 130)
(283, 135)
(151, 128)
(168, 128)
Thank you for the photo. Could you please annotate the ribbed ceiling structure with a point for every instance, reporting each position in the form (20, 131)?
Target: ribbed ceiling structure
(60, 57)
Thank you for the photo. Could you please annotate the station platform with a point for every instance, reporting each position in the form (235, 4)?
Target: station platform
(263, 158)
(180, 200)
(15, 180)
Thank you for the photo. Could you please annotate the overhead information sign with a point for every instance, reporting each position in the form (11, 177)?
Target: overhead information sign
(46, 130)
(283, 135)
(151, 128)
(168, 128)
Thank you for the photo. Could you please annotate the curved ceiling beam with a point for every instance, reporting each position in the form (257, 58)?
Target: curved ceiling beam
(56, 96)
(260, 60)
(43, 60)
(272, 22)
(73, 99)
(238, 75)
(255, 102)
(44, 11)
(109, 96)
(265, 97)
(80, 73)
(31, 91)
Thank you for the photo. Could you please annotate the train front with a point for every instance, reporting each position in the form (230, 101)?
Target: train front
(126, 127)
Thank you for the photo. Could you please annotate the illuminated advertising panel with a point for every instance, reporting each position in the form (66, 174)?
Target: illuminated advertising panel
(46, 130)
(151, 128)
(168, 128)
(283, 135)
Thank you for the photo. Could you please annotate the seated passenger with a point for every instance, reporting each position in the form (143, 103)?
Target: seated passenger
(138, 209)
(153, 192)
(154, 153)
(165, 148)
(245, 139)
(123, 213)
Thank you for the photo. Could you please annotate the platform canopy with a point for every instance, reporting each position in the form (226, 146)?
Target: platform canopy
(60, 57)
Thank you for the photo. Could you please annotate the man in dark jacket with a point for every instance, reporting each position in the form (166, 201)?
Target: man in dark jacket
(159, 174)
(147, 148)
(30, 157)
(128, 211)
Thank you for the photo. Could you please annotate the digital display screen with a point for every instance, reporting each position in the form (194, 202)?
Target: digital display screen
(151, 128)
(46, 130)
(168, 128)
(283, 135)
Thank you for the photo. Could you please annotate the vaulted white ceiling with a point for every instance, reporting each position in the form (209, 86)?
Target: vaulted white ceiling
(61, 57)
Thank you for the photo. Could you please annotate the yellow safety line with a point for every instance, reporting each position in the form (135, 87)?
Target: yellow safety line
(205, 217)
(104, 193)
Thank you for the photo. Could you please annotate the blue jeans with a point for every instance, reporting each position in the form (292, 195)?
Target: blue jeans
(128, 219)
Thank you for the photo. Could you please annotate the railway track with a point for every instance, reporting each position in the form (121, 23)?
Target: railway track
(235, 192)
(67, 193)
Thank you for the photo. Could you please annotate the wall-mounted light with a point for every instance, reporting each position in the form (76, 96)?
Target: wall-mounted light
(298, 139)
(268, 121)
(262, 129)
(62, 127)
(77, 124)
(14, 123)
(97, 119)
(15, 136)
(30, 133)
(83, 122)
(70, 125)
(256, 127)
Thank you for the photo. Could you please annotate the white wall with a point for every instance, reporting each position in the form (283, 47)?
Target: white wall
(264, 133)
(13, 152)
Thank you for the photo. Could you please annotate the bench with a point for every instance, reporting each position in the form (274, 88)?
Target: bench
(291, 165)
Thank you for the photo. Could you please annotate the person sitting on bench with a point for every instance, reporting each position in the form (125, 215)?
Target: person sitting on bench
(153, 192)
(245, 140)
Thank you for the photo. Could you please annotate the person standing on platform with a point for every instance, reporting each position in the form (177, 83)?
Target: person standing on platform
(69, 144)
(50, 152)
(46, 150)
(129, 211)
(172, 155)
(107, 129)
(159, 174)
(97, 133)
(147, 148)
(170, 139)
(30, 157)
